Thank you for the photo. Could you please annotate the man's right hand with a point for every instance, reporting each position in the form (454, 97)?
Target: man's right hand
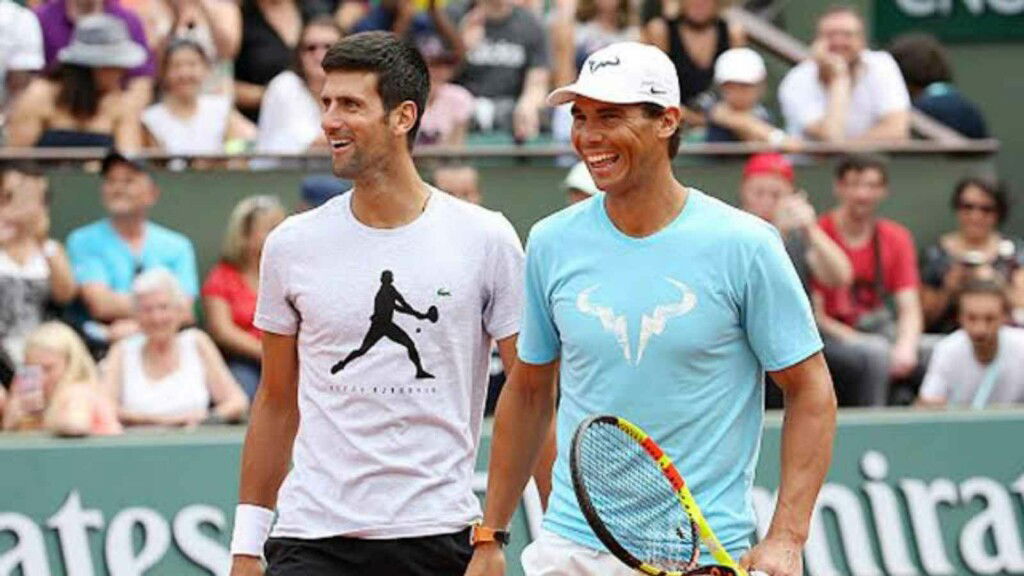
(488, 560)
(246, 566)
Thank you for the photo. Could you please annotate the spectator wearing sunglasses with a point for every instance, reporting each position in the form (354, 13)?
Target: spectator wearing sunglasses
(108, 254)
(976, 249)
(289, 119)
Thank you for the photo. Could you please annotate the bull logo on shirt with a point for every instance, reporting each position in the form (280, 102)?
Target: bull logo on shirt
(651, 325)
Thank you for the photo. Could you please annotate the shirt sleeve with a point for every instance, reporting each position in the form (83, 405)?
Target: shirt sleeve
(27, 48)
(215, 284)
(275, 312)
(538, 342)
(935, 266)
(902, 272)
(87, 266)
(891, 92)
(505, 300)
(776, 313)
(936, 384)
(184, 269)
(802, 103)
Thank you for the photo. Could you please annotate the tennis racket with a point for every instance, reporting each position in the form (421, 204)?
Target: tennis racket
(638, 504)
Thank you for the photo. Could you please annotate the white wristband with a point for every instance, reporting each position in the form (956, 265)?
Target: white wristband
(252, 526)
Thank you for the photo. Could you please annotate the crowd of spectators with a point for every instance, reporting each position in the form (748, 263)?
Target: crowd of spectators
(189, 77)
(193, 77)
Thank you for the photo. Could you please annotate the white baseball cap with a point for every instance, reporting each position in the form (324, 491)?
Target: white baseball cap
(579, 178)
(624, 73)
(740, 65)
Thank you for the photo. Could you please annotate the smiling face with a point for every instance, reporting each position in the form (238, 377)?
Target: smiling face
(621, 145)
(158, 312)
(22, 204)
(743, 97)
(981, 316)
(861, 191)
(843, 34)
(127, 192)
(760, 194)
(357, 127)
(186, 71)
(977, 213)
(312, 46)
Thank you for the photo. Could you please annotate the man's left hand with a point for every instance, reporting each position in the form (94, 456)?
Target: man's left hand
(775, 557)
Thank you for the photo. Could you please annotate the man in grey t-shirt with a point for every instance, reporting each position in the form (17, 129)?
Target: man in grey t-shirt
(378, 310)
(506, 65)
(981, 364)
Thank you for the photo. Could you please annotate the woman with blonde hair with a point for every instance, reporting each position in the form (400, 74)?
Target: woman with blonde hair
(57, 388)
(229, 293)
(166, 376)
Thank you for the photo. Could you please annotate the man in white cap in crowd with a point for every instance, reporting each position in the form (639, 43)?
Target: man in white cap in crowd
(695, 383)
(738, 114)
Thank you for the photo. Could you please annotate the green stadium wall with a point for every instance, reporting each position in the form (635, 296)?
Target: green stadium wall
(198, 203)
(909, 493)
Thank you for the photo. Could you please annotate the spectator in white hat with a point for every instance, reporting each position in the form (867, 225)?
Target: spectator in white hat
(84, 105)
(738, 114)
(578, 184)
(596, 272)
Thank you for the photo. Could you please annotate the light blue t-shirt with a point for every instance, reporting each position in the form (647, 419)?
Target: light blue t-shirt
(673, 332)
(99, 254)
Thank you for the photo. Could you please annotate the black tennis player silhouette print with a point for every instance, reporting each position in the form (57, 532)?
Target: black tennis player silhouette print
(388, 301)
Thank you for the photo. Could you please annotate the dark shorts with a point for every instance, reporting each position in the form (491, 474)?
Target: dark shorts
(443, 555)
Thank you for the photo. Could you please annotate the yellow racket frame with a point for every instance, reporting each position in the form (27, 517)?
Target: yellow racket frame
(668, 469)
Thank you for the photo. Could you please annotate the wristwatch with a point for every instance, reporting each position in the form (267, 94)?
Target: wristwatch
(479, 534)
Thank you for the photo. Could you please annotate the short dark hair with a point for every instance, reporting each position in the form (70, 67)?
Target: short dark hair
(922, 60)
(400, 69)
(861, 162)
(991, 187)
(655, 111)
(988, 286)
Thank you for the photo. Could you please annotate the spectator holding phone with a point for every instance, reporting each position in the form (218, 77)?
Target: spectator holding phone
(976, 249)
(165, 376)
(34, 269)
(57, 387)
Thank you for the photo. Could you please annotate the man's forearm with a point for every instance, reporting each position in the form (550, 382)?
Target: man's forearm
(830, 265)
(895, 126)
(264, 463)
(807, 434)
(832, 128)
(522, 422)
(909, 325)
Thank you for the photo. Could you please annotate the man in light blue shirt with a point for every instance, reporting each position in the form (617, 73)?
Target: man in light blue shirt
(108, 254)
(663, 305)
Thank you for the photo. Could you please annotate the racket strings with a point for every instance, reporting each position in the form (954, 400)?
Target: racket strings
(635, 500)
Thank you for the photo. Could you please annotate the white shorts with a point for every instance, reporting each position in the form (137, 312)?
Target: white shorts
(552, 555)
